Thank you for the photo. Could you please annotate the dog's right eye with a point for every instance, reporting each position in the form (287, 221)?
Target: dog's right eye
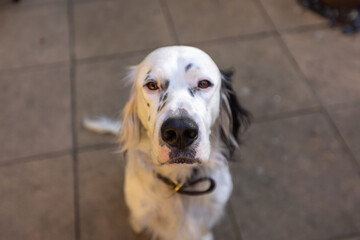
(152, 86)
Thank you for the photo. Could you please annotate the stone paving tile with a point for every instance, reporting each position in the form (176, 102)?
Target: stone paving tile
(295, 181)
(206, 20)
(108, 27)
(37, 200)
(103, 212)
(33, 35)
(287, 14)
(331, 62)
(265, 80)
(101, 91)
(347, 120)
(35, 112)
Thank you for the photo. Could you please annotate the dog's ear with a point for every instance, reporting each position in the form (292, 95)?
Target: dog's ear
(130, 126)
(233, 117)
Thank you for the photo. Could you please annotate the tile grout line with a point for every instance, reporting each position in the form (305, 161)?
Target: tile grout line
(345, 237)
(169, 20)
(304, 28)
(234, 224)
(56, 154)
(287, 115)
(323, 108)
(235, 38)
(98, 147)
(112, 56)
(35, 158)
(70, 17)
(25, 6)
(40, 66)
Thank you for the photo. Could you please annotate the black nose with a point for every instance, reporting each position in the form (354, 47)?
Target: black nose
(179, 132)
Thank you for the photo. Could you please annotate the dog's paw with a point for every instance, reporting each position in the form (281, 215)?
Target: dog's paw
(208, 236)
(136, 226)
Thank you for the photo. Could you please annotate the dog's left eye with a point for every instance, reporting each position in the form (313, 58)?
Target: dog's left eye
(204, 84)
(152, 86)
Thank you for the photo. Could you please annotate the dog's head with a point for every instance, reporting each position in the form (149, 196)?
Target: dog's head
(179, 99)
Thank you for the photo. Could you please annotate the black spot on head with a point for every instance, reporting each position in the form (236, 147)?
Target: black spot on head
(165, 96)
(147, 78)
(161, 97)
(147, 104)
(188, 67)
(149, 72)
(192, 91)
(165, 85)
(162, 106)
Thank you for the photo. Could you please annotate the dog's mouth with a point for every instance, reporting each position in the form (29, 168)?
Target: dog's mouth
(183, 160)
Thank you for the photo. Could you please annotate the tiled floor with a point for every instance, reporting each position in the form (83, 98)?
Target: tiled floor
(299, 177)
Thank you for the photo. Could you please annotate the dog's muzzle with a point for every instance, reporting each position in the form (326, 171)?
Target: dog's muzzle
(179, 132)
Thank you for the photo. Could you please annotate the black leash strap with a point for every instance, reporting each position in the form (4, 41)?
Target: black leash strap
(181, 188)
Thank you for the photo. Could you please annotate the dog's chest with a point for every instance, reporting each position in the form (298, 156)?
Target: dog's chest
(148, 196)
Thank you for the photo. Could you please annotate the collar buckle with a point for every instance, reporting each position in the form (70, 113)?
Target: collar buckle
(182, 188)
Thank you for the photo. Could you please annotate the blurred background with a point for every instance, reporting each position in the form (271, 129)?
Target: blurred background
(299, 173)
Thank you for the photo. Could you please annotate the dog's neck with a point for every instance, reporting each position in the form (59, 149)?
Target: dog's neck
(180, 172)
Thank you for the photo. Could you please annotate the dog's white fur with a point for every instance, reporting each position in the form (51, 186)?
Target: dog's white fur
(154, 206)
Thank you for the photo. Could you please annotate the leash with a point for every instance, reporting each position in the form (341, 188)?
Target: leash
(181, 188)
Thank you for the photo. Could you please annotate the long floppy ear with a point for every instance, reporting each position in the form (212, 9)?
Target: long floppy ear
(130, 127)
(233, 117)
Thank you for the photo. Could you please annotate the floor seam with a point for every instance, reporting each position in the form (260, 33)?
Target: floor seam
(305, 28)
(169, 20)
(35, 158)
(287, 115)
(26, 5)
(349, 236)
(70, 17)
(10, 71)
(97, 147)
(235, 226)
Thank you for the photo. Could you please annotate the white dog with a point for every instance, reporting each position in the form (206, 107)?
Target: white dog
(178, 130)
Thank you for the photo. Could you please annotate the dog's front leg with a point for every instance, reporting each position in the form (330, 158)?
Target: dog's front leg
(135, 224)
(208, 236)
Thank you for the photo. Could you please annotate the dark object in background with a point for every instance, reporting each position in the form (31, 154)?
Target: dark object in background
(343, 12)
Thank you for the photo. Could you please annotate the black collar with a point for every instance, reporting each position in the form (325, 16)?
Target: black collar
(181, 188)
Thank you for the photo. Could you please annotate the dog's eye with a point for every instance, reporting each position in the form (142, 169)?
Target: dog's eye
(152, 86)
(204, 84)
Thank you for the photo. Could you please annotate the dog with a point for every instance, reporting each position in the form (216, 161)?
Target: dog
(178, 131)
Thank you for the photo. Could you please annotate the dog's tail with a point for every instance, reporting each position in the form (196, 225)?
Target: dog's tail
(102, 125)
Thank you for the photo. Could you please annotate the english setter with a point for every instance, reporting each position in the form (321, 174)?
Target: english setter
(178, 130)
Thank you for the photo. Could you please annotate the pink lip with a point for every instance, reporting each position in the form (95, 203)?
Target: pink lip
(164, 154)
